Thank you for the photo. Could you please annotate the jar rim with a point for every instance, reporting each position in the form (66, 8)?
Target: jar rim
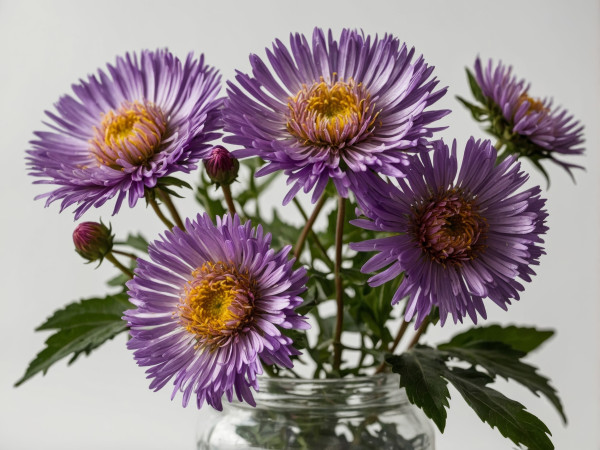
(303, 394)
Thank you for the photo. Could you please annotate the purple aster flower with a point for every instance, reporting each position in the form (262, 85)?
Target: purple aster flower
(210, 305)
(335, 107)
(528, 126)
(459, 236)
(145, 119)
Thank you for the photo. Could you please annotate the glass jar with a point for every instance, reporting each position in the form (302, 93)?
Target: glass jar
(332, 414)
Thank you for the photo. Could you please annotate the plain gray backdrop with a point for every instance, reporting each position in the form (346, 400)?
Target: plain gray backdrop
(103, 401)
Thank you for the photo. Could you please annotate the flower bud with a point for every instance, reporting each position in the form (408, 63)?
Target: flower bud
(92, 240)
(221, 166)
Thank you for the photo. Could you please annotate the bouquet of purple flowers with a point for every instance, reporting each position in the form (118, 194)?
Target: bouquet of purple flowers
(414, 227)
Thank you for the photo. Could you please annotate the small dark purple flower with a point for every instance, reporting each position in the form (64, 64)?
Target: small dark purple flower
(459, 235)
(145, 119)
(221, 166)
(210, 305)
(93, 240)
(528, 126)
(335, 107)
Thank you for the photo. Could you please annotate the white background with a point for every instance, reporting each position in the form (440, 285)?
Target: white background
(102, 401)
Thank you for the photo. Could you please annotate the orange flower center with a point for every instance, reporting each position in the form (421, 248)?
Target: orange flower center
(534, 104)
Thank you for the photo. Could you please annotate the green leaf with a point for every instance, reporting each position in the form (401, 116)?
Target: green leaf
(211, 206)
(479, 114)
(82, 327)
(137, 241)
(475, 88)
(119, 280)
(519, 338)
(172, 181)
(421, 374)
(498, 358)
(424, 373)
(509, 416)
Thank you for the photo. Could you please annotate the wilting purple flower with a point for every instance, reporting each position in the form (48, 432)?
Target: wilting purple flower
(335, 107)
(529, 127)
(124, 130)
(92, 240)
(209, 307)
(221, 166)
(459, 236)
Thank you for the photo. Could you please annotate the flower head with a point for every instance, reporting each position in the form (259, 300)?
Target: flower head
(146, 119)
(210, 305)
(332, 108)
(530, 127)
(459, 236)
(221, 166)
(92, 240)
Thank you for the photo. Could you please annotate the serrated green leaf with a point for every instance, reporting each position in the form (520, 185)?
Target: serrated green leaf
(498, 358)
(509, 416)
(524, 339)
(82, 327)
(421, 372)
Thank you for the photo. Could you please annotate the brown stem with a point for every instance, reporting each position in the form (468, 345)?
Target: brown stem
(419, 332)
(129, 255)
(159, 213)
(118, 265)
(308, 226)
(228, 198)
(339, 286)
(313, 235)
(166, 198)
(401, 331)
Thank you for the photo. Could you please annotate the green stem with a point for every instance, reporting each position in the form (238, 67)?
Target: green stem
(314, 236)
(166, 198)
(118, 265)
(308, 226)
(152, 201)
(419, 332)
(339, 285)
(228, 198)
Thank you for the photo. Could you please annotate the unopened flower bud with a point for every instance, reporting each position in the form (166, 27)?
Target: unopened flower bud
(221, 166)
(92, 240)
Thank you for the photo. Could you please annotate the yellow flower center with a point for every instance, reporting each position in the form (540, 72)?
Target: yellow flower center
(130, 135)
(331, 115)
(534, 104)
(217, 302)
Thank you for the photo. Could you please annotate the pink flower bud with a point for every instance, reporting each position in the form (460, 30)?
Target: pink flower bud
(92, 240)
(221, 166)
